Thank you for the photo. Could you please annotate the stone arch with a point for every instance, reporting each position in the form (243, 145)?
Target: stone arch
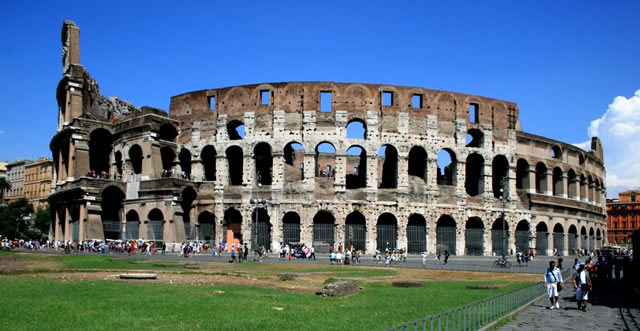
(500, 237)
(389, 174)
(523, 233)
(356, 167)
(232, 226)
(542, 238)
(168, 132)
(474, 174)
(591, 239)
(206, 227)
(474, 236)
(263, 163)
(208, 157)
(558, 238)
(235, 130)
(132, 227)
(387, 232)
(446, 235)
(356, 129)
(418, 162)
(325, 159)
(156, 225)
(556, 152)
(583, 237)
(446, 167)
(474, 138)
(356, 231)
(558, 183)
(572, 233)
(500, 176)
(261, 224)
(291, 228)
(572, 183)
(294, 154)
(323, 231)
(185, 162)
(416, 234)
(235, 156)
(117, 156)
(99, 150)
(188, 196)
(168, 157)
(522, 174)
(111, 206)
(541, 178)
(136, 158)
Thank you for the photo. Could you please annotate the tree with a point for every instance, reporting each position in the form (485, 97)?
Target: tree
(4, 186)
(12, 222)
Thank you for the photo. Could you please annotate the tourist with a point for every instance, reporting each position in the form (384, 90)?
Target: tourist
(582, 284)
(553, 280)
(446, 256)
(312, 253)
(424, 260)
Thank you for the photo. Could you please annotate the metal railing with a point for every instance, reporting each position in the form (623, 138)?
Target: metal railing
(475, 315)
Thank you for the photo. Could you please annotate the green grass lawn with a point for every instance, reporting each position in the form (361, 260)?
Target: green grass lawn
(34, 303)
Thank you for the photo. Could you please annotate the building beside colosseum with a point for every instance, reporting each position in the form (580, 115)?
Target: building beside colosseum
(324, 163)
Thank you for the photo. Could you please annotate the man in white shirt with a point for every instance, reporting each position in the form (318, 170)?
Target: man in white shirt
(582, 284)
(552, 277)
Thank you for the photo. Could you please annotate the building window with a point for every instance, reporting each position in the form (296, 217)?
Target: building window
(387, 98)
(473, 113)
(264, 97)
(325, 101)
(417, 101)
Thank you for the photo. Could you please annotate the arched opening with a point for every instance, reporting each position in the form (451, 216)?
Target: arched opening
(132, 228)
(522, 174)
(573, 240)
(291, 228)
(356, 129)
(356, 168)
(500, 176)
(168, 132)
(168, 157)
(474, 174)
(188, 197)
(597, 193)
(446, 235)
(418, 162)
(323, 231)
(185, 163)
(156, 224)
(232, 226)
(599, 242)
(474, 138)
(355, 231)
(583, 237)
(417, 234)
(522, 236)
(234, 161)
(590, 189)
(557, 182)
(558, 238)
(99, 151)
(542, 239)
(293, 162)
(235, 129)
(541, 178)
(474, 236)
(583, 187)
(207, 227)
(118, 158)
(208, 157)
(556, 152)
(446, 167)
(112, 204)
(263, 163)
(572, 184)
(387, 234)
(135, 157)
(325, 160)
(500, 237)
(388, 162)
(592, 239)
(262, 229)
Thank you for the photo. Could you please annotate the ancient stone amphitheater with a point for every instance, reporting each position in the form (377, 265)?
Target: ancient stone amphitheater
(320, 163)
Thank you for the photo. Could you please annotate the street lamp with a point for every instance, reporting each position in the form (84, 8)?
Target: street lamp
(504, 182)
(254, 240)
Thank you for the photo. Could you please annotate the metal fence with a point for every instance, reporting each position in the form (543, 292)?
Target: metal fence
(475, 315)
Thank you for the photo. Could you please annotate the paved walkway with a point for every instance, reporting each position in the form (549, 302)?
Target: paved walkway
(616, 308)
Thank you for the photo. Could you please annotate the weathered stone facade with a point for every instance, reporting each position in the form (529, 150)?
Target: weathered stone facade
(285, 144)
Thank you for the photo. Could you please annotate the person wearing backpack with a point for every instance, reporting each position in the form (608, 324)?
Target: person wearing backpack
(553, 284)
(582, 284)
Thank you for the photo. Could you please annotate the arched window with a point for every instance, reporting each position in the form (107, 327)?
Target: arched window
(418, 162)
(474, 236)
(234, 160)
(446, 167)
(522, 175)
(207, 227)
(573, 240)
(133, 225)
(446, 235)
(263, 163)
(99, 150)
(474, 138)
(291, 228)
(556, 152)
(294, 162)
(387, 233)
(474, 174)
(500, 237)
(208, 156)
(118, 157)
(168, 132)
(111, 205)
(388, 157)
(558, 187)
(356, 168)
(558, 238)
(542, 239)
(156, 225)
(500, 176)
(325, 160)
(235, 129)
(356, 129)
(541, 178)
(232, 226)
(522, 236)
(262, 232)
(185, 162)
(323, 231)
(135, 157)
(573, 184)
(356, 230)
(188, 197)
(168, 157)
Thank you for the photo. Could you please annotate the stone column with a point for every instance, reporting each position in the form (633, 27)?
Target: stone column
(197, 170)
(71, 164)
(531, 180)
(58, 235)
(67, 218)
(81, 220)
(402, 232)
(547, 189)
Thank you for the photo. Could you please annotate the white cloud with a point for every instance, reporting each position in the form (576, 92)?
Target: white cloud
(619, 131)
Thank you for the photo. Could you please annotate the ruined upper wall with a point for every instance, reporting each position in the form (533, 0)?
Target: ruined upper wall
(355, 98)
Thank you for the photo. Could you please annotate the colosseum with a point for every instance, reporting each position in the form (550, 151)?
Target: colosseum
(321, 163)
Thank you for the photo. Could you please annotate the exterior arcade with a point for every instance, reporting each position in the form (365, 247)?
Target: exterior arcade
(325, 164)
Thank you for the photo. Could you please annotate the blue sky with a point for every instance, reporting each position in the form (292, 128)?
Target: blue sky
(564, 63)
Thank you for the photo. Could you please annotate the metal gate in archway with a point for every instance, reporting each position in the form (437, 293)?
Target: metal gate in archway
(190, 231)
(387, 237)
(573, 240)
(207, 232)
(591, 242)
(356, 234)
(75, 230)
(497, 242)
(542, 242)
(111, 229)
(446, 239)
(558, 241)
(474, 241)
(131, 230)
(323, 237)
(263, 234)
(522, 240)
(417, 238)
(583, 242)
(291, 232)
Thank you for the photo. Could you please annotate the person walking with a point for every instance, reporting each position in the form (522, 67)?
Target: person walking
(553, 284)
(582, 284)
(446, 256)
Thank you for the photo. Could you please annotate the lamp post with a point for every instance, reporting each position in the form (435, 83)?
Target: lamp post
(254, 240)
(503, 183)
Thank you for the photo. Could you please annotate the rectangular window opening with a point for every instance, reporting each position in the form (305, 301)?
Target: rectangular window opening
(264, 97)
(212, 103)
(473, 112)
(417, 101)
(387, 98)
(325, 101)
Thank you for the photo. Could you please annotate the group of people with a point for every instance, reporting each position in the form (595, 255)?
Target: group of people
(350, 255)
(297, 251)
(523, 258)
(172, 174)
